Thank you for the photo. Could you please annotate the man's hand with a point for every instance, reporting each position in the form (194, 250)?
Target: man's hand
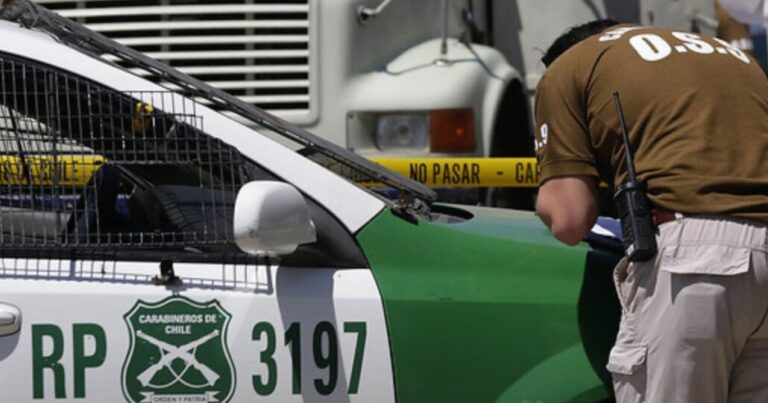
(568, 206)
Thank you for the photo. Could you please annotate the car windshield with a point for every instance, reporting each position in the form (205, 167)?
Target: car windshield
(409, 193)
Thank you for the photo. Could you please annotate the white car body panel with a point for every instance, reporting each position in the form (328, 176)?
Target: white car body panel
(65, 293)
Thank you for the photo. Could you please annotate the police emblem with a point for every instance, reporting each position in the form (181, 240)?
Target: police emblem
(178, 353)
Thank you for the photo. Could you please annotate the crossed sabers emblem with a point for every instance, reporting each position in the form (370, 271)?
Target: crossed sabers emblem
(170, 353)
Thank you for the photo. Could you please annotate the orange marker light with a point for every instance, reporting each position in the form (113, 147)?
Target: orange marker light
(452, 131)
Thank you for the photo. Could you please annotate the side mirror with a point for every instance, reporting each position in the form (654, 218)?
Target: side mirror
(271, 218)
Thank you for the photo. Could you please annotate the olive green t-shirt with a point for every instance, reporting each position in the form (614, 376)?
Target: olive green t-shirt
(696, 110)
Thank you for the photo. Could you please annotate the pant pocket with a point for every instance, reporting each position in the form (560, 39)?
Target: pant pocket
(717, 260)
(628, 367)
(627, 359)
(627, 278)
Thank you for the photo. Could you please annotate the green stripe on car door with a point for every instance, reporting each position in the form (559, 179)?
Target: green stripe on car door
(475, 307)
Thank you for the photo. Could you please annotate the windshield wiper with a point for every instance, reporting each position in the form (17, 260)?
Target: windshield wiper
(77, 36)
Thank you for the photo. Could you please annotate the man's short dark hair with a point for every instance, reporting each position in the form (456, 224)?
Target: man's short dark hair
(574, 36)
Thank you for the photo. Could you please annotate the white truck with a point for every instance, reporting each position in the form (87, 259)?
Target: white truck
(384, 78)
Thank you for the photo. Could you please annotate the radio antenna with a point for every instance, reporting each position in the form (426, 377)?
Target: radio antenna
(629, 158)
(633, 206)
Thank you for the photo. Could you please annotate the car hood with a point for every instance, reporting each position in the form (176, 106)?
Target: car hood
(516, 225)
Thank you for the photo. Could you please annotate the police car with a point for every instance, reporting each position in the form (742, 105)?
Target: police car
(153, 249)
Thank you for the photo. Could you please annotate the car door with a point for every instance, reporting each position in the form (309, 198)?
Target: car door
(119, 275)
(232, 332)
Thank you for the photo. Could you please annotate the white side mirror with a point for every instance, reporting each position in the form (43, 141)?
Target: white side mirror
(271, 218)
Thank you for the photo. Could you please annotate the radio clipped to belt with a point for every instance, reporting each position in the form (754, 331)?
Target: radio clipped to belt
(633, 206)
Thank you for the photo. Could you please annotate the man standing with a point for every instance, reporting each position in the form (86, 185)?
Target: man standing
(693, 325)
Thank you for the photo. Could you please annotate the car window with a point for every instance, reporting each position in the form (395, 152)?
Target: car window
(87, 166)
(84, 166)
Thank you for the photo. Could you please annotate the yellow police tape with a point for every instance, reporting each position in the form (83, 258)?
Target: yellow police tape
(67, 170)
(73, 170)
(466, 172)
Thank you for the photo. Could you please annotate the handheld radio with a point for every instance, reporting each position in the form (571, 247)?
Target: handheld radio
(633, 206)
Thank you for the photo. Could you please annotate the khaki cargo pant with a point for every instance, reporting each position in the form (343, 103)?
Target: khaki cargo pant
(693, 326)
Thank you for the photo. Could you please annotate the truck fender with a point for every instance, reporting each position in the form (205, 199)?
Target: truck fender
(473, 76)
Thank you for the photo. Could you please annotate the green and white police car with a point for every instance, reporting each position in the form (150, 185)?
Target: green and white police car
(153, 249)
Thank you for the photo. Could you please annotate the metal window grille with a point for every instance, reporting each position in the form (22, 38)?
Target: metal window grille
(411, 194)
(86, 166)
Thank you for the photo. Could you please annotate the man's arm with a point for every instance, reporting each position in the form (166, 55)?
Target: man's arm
(568, 206)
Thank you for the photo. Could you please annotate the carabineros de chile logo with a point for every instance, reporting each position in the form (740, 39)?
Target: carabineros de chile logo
(178, 352)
